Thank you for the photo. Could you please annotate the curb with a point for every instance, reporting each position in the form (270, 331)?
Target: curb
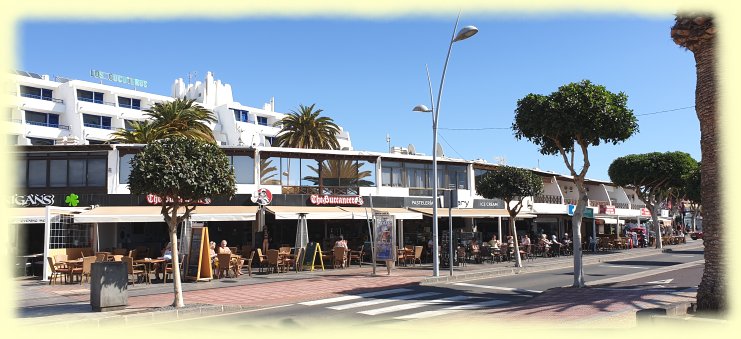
(675, 314)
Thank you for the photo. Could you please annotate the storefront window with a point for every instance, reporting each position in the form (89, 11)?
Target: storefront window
(244, 169)
(270, 171)
(391, 174)
(418, 175)
(37, 173)
(366, 174)
(290, 171)
(124, 168)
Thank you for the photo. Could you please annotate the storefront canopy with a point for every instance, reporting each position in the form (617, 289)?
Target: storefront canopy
(612, 221)
(311, 212)
(37, 215)
(106, 214)
(397, 213)
(472, 213)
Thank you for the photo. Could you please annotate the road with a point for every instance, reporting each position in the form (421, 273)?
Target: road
(675, 271)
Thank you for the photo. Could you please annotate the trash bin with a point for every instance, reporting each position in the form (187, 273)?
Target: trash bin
(108, 286)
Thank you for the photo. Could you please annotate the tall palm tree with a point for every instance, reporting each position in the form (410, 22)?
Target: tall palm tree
(306, 129)
(697, 33)
(183, 117)
(179, 117)
(141, 132)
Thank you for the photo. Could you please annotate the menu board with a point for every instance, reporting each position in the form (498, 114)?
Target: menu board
(199, 260)
(312, 251)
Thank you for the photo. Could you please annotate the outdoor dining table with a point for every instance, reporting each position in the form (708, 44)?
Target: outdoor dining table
(72, 264)
(149, 264)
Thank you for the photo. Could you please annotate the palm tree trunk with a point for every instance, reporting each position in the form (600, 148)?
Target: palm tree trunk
(711, 293)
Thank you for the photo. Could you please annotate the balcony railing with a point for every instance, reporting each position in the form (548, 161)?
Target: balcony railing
(46, 124)
(34, 96)
(547, 199)
(330, 190)
(597, 203)
(637, 206)
(97, 126)
(137, 107)
(623, 205)
(96, 101)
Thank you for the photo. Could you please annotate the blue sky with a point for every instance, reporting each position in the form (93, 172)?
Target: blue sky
(367, 74)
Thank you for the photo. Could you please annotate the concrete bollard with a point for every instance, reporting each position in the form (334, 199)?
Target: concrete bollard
(108, 286)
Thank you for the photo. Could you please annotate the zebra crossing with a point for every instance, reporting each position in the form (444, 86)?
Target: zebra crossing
(377, 303)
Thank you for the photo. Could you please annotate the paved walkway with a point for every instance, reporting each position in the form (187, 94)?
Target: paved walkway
(39, 303)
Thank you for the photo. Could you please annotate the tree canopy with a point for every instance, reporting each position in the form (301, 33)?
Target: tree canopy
(692, 186)
(306, 129)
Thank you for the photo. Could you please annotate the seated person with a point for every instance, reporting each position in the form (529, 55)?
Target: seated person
(341, 243)
(475, 250)
(166, 256)
(525, 240)
(494, 242)
(545, 243)
(555, 244)
(223, 249)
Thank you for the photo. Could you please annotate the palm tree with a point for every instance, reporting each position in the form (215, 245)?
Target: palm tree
(305, 129)
(340, 173)
(183, 117)
(141, 132)
(696, 32)
(179, 117)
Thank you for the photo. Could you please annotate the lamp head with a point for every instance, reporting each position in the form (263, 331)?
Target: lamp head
(465, 33)
(421, 108)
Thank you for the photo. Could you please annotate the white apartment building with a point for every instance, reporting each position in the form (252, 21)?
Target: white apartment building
(56, 111)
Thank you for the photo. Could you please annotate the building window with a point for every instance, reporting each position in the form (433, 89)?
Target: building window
(61, 171)
(36, 93)
(127, 125)
(129, 103)
(96, 142)
(391, 174)
(262, 121)
(40, 141)
(89, 96)
(418, 175)
(37, 173)
(455, 177)
(96, 121)
(244, 169)
(42, 119)
(241, 115)
(66, 234)
(269, 141)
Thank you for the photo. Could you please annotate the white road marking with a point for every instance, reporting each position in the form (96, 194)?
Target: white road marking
(410, 306)
(665, 281)
(683, 256)
(352, 297)
(383, 301)
(511, 289)
(453, 309)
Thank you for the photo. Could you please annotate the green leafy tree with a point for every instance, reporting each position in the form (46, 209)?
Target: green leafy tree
(654, 176)
(511, 184)
(697, 33)
(182, 172)
(567, 122)
(339, 173)
(693, 192)
(306, 129)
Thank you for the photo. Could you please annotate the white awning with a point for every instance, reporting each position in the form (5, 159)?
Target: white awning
(37, 215)
(472, 213)
(311, 212)
(109, 214)
(397, 213)
(612, 221)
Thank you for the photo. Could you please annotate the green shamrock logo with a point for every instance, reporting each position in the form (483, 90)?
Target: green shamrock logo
(72, 200)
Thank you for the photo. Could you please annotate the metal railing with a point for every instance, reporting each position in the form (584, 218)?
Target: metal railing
(598, 203)
(96, 101)
(47, 124)
(130, 106)
(330, 190)
(623, 205)
(34, 96)
(637, 206)
(547, 199)
(97, 126)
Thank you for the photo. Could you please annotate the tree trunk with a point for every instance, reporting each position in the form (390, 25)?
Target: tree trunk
(711, 293)
(576, 231)
(177, 286)
(513, 230)
(655, 219)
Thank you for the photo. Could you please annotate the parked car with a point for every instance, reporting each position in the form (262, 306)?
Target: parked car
(696, 235)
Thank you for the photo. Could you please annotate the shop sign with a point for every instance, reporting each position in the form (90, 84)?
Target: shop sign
(488, 203)
(645, 212)
(607, 209)
(316, 199)
(418, 202)
(154, 199)
(262, 196)
(33, 200)
(588, 212)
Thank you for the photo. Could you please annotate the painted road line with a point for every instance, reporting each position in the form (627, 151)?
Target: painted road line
(454, 309)
(414, 305)
(382, 301)
(621, 266)
(511, 289)
(352, 297)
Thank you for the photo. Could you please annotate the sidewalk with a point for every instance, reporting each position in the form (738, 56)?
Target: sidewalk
(40, 303)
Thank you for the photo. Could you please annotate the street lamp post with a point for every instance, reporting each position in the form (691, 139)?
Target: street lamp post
(464, 33)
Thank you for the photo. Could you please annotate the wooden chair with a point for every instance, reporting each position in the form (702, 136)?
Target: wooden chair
(132, 254)
(248, 261)
(262, 260)
(168, 268)
(225, 265)
(58, 270)
(234, 249)
(460, 254)
(117, 257)
(274, 260)
(136, 271)
(101, 256)
(245, 250)
(356, 255)
(293, 260)
(60, 257)
(417, 256)
(401, 257)
(85, 270)
(339, 257)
